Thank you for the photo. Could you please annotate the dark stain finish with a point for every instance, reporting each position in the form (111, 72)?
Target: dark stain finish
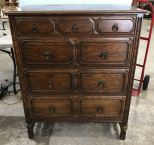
(76, 62)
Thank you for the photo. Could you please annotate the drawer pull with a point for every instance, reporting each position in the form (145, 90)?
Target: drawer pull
(50, 84)
(101, 84)
(115, 27)
(99, 109)
(75, 28)
(34, 29)
(51, 109)
(47, 55)
(103, 55)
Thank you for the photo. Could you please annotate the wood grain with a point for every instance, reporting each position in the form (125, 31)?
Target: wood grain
(76, 63)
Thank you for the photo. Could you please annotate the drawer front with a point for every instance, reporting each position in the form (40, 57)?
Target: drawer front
(106, 51)
(67, 25)
(45, 81)
(96, 106)
(34, 25)
(125, 25)
(54, 53)
(103, 81)
(74, 25)
(51, 107)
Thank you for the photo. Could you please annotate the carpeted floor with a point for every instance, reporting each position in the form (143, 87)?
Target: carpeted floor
(141, 120)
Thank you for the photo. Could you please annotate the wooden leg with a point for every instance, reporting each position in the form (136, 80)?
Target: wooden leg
(30, 127)
(123, 131)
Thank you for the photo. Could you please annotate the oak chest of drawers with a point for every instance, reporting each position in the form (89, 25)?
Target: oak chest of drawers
(76, 63)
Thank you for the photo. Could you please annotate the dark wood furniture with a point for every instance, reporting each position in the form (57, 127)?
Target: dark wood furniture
(76, 62)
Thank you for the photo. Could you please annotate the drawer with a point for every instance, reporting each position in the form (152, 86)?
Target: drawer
(50, 53)
(51, 107)
(74, 25)
(46, 81)
(103, 81)
(105, 51)
(97, 106)
(115, 25)
(34, 25)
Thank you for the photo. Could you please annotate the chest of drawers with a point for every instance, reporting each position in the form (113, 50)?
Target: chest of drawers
(76, 63)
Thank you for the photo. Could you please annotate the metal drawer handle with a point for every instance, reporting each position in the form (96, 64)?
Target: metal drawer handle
(99, 109)
(101, 84)
(103, 55)
(51, 109)
(50, 85)
(115, 27)
(47, 55)
(34, 29)
(75, 28)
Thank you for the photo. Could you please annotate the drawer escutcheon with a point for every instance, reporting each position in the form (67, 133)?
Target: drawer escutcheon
(47, 55)
(103, 55)
(51, 109)
(34, 28)
(74, 28)
(115, 27)
(101, 84)
(50, 85)
(99, 109)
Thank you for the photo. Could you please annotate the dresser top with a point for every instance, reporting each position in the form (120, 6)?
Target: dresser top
(75, 9)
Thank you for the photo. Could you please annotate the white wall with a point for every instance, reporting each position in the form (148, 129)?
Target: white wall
(38, 2)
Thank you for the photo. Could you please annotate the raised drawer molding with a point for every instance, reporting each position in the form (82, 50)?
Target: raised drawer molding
(76, 64)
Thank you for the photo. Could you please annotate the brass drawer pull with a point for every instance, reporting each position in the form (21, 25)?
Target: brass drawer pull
(75, 28)
(47, 55)
(50, 85)
(34, 29)
(51, 109)
(103, 55)
(101, 84)
(115, 27)
(99, 109)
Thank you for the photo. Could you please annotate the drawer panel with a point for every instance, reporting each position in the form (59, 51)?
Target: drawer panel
(34, 25)
(51, 107)
(115, 25)
(102, 106)
(54, 53)
(103, 81)
(106, 51)
(39, 81)
(73, 25)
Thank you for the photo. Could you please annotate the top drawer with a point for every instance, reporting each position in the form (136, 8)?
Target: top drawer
(74, 25)
(50, 25)
(116, 25)
(34, 25)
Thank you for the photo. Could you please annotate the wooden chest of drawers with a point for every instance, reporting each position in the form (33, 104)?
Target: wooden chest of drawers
(76, 63)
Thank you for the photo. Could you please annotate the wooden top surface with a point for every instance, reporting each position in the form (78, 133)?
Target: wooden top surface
(76, 9)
